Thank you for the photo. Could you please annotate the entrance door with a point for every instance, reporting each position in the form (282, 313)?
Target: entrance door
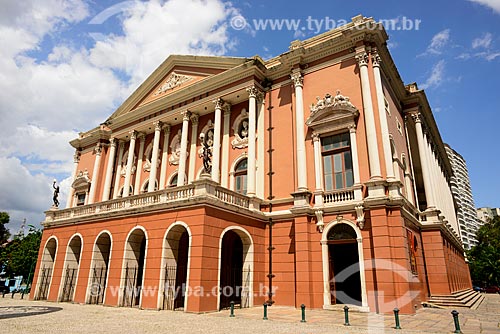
(345, 281)
(231, 270)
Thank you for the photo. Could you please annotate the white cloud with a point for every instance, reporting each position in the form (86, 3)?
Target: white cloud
(493, 4)
(436, 77)
(438, 42)
(482, 42)
(74, 86)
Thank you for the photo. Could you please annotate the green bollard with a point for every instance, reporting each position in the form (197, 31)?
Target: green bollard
(12, 295)
(22, 294)
(457, 323)
(303, 309)
(346, 315)
(232, 309)
(396, 317)
(265, 312)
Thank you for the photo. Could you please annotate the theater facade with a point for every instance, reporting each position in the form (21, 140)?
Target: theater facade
(316, 177)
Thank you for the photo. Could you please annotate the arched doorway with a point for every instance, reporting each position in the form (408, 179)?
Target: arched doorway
(46, 266)
(344, 270)
(133, 271)
(236, 265)
(176, 255)
(99, 269)
(71, 266)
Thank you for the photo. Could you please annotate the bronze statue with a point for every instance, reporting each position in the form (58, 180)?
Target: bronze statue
(56, 194)
(207, 161)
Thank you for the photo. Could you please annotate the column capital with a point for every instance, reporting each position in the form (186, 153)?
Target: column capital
(121, 144)
(252, 91)
(352, 128)
(226, 108)
(141, 136)
(315, 136)
(219, 102)
(194, 119)
(362, 58)
(260, 97)
(76, 156)
(166, 128)
(376, 60)
(98, 149)
(157, 125)
(113, 141)
(297, 79)
(133, 135)
(186, 114)
(416, 116)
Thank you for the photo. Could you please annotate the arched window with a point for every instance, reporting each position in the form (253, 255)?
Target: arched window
(337, 161)
(240, 177)
(146, 186)
(130, 191)
(173, 180)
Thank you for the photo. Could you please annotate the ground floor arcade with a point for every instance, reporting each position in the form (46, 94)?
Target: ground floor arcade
(201, 258)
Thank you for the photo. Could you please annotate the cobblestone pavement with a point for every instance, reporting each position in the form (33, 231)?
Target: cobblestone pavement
(23, 316)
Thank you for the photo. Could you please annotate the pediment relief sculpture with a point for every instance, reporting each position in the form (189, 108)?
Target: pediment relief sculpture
(173, 81)
(82, 181)
(332, 109)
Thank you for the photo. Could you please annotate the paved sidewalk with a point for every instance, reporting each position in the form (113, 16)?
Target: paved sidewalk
(23, 316)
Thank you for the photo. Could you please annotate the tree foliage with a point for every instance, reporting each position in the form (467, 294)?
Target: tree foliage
(18, 257)
(485, 257)
(4, 232)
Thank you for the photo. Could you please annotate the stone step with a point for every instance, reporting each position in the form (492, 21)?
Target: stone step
(465, 298)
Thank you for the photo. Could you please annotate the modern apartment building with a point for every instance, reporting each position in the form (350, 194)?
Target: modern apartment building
(464, 202)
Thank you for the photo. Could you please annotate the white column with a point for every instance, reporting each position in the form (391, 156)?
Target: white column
(76, 160)
(386, 144)
(318, 170)
(260, 146)
(184, 143)
(252, 94)
(298, 82)
(130, 161)
(164, 157)
(138, 171)
(371, 131)
(225, 146)
(423, 161)
(431, 163)
(116, 186)
(216, 148)
(154, 157)
(109, 169)
(192, 150)
(355, 162)
(95, 173)
(317, 162)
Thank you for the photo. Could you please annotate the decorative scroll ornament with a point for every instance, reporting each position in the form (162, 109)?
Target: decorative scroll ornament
(339, 101)
(206, 137)
(123, 171)
(240, 129)
(360, 213)
(173, 81)
(82, 181)
(175, 147)
(319, 220)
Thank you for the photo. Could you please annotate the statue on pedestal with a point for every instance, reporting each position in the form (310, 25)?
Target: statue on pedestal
(56, 194)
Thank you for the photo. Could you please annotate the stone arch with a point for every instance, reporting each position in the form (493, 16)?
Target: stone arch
(99, 268)
(246, 288)
(71, 268)
(45, 273)
(176, 261)
(133, 267)
(327, 300)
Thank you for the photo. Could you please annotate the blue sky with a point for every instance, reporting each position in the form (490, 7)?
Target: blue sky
(70, 63)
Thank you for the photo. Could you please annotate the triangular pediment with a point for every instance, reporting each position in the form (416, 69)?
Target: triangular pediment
(332, 112)
(174, 74)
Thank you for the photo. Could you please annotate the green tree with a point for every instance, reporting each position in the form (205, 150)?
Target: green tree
(4, 232)
(485, 257)
(19, 256)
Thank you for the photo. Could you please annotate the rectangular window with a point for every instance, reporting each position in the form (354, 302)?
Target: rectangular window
(80, 199)
(337, 161)
(386, 104)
